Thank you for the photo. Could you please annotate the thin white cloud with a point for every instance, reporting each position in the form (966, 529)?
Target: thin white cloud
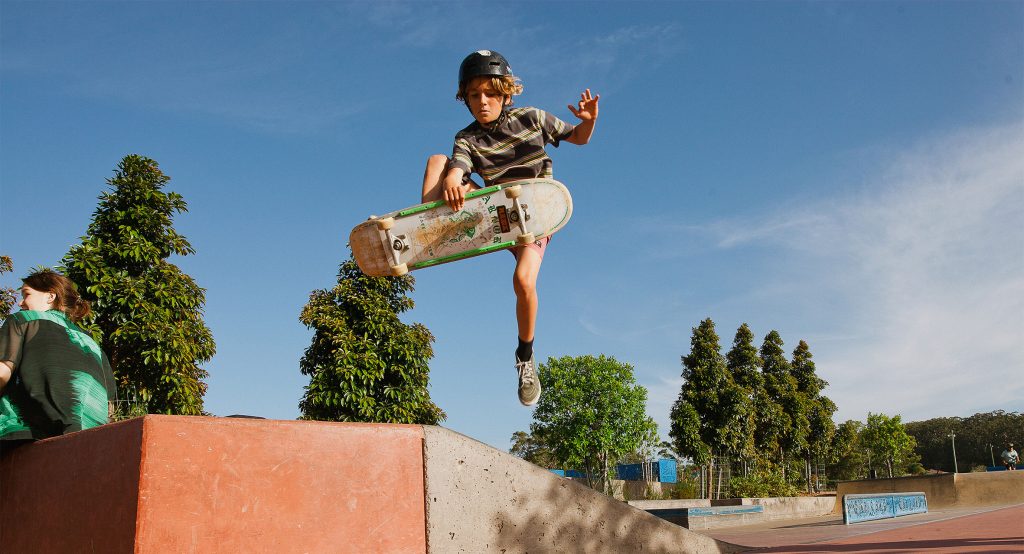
(930, 260)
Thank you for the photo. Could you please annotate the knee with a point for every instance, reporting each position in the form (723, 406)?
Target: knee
(437, 162)
(524, 284)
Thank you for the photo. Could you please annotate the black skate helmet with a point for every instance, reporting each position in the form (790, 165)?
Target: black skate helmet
(483, 63)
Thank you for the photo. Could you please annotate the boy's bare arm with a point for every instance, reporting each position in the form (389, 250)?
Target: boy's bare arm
(454, 189)
(586, 111)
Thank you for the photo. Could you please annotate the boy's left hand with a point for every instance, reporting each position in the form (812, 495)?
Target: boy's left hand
(587, 107)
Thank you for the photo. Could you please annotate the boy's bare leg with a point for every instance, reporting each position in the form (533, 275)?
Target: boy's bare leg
(433, 178)
(524, 281)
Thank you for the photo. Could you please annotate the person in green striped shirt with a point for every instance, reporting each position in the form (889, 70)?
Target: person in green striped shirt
(54, 378)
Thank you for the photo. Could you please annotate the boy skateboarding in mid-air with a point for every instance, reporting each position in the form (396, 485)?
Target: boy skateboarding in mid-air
(506, 144)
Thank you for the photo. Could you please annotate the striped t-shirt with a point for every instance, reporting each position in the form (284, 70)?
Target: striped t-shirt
(512, 148)
(61, 382)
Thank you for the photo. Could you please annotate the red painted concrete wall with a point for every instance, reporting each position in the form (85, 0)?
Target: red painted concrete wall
(76, 493)
(196, 484)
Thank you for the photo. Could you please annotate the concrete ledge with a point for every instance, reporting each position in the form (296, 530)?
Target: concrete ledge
(670, 504)
(949, 490)
(714, 517)
(775, 508)
(223, 485)
(785, 507)
(871, 507)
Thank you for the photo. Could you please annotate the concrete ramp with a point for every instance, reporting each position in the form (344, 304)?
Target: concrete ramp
(200, 484)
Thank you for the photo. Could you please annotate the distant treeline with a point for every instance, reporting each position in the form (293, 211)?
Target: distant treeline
(979, 439)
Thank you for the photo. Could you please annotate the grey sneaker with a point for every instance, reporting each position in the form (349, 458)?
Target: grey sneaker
(529, 384)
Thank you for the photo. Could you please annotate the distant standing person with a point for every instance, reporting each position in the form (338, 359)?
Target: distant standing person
(1010, 457)
(54, 378)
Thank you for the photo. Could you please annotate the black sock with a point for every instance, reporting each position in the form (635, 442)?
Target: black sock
(525, 350)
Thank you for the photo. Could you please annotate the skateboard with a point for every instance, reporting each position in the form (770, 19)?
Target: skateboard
(494, 218)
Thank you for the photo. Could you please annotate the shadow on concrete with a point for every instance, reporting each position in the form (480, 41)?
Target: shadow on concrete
(580, 519)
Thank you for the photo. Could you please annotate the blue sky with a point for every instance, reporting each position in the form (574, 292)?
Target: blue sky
(847, 173)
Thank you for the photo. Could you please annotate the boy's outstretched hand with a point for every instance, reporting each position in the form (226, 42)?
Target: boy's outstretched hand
(586, 108)
(586, 111)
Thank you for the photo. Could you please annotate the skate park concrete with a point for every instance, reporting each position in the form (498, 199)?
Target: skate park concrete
(205, 484)
(949, 490)
(988, 529)
(967, 512)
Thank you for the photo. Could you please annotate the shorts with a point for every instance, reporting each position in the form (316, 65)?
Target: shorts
(540, 246)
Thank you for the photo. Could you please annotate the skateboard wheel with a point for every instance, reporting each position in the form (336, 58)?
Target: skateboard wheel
(513, 192)
(399, 270)
(386, 223)
(523, 240)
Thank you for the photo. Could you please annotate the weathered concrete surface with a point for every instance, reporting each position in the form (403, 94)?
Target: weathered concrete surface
(199, 484)
(626, 490)
(671, 504)
(775, 508)
(718, 517)
(245, 485)
(986, 530)
(196, 484)
(66, 493)
(950, 490)
(480, 499)
(785, 507)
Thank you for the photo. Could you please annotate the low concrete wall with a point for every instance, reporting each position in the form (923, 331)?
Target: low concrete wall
(871, 507)
(720, 517)
(949, 490)
(628, 491)
(670, 504)
(200, 484)
(786, 507)
(61, 494)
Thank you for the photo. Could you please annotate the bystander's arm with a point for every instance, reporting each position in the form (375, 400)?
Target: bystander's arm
(6, 369)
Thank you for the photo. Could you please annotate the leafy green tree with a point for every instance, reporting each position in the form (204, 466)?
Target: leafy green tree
(711, 412)
(592, 414)
(818, 409)
(849, 461)
(8, 296)
(364, 363)
(744, 366)
(148, 314)
(534, 449)
(933, 442)
(888, 441)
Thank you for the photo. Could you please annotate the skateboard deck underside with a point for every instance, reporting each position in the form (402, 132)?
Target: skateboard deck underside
(432, 234)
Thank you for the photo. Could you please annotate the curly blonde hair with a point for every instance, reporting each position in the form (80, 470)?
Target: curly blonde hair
(508, 85)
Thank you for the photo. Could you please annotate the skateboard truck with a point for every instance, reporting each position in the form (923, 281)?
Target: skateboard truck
(397, 245)
(519, 215)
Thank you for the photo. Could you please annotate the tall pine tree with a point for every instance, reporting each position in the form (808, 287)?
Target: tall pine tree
(784, 411)
(364, 363)
(707, 418)
(744, 365)
(147, 312)
(818, 409)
